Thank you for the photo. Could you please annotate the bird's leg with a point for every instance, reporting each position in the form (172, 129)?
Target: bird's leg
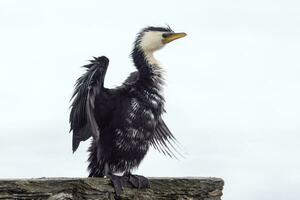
(117, 181)
(106, 171)
(137, 181)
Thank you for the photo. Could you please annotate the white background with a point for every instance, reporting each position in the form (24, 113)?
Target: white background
(232, 88)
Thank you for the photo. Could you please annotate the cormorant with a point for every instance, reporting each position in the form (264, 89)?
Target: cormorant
(125, 121)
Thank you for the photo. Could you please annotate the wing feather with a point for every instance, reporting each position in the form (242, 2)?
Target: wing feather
(87, 88)
(164, 140)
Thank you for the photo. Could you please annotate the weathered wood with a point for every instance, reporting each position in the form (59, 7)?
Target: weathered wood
(100, 188)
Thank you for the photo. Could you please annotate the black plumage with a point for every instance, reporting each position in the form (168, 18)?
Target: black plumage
(125, 121)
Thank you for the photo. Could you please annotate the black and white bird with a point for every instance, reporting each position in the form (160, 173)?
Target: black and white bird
(125, 121)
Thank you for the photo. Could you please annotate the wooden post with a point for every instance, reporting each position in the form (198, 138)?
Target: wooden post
(100, 188)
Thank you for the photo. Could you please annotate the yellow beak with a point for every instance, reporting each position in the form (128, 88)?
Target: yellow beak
(173, 36)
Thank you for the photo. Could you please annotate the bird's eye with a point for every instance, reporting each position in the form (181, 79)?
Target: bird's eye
(165, 35)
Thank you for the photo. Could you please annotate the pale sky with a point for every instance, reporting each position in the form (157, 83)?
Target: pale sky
(232, 93)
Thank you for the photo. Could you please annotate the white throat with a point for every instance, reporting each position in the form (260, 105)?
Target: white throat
(151, 59)
(149, 43)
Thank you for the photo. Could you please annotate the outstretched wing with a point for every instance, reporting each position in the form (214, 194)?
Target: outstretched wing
(164, 141)
(87, 88)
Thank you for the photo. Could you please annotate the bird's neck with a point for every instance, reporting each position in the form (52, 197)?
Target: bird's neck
(149, 69)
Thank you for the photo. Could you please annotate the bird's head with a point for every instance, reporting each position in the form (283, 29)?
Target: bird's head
(152, 38)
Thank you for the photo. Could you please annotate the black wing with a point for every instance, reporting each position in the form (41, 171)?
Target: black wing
(164, 140)
(87, 88)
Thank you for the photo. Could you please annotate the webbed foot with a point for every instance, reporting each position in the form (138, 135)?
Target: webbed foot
(118, 183)
(138, 181)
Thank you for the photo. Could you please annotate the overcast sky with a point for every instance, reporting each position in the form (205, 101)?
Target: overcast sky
(232, 93)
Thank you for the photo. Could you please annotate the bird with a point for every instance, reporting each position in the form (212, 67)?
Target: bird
(125, 121)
